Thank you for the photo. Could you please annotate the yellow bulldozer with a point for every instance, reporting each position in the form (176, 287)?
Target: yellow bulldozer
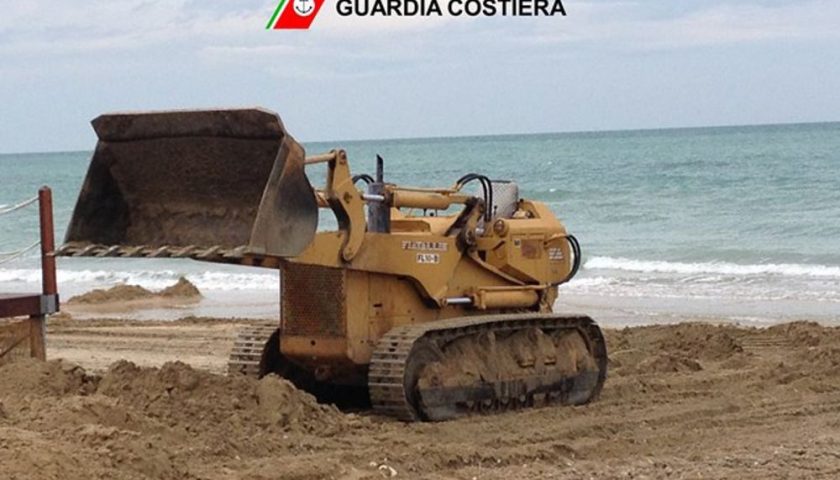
(429, 303)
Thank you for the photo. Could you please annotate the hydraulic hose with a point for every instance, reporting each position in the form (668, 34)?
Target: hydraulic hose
(363, 176)
(573, 241)
(486, 186)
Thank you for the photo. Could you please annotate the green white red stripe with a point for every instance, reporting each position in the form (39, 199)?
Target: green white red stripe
(294, 14)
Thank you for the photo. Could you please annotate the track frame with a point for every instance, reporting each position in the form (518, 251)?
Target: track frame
(392, 374)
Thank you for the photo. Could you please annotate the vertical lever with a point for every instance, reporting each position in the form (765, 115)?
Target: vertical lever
(379, 213)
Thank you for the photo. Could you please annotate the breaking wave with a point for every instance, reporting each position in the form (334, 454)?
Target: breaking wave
(208, 280)
(719, 268)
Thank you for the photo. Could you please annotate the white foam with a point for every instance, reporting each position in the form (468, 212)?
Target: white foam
(590, 281)
(207, 280)
(706, 268)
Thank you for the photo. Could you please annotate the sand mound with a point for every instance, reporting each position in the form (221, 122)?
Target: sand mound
(702, 342)
(666, 363)
(179, 394)
(148, 422)
(31, 377)
(822, 360)
(686, 347)
(175, 422)
(119, 293)
(122, 297)
(176, 393)
(183, 288)
(805, 334)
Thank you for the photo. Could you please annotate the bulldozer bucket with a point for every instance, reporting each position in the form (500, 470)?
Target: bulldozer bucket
(196, 184)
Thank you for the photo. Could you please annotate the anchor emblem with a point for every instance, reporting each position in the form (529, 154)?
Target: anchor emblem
(304, 8)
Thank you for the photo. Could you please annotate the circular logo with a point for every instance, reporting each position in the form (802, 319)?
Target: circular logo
(304, 8)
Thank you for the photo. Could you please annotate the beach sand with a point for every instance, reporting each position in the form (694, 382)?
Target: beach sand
(681, 401)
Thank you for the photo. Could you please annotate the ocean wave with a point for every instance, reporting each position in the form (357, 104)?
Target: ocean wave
(208, 280)
(731, 289)
(590, 281)
(720, 268)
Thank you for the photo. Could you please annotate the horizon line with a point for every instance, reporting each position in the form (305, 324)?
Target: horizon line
(509, 134)
(577, 132)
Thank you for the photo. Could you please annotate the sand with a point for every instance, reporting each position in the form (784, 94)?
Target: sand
(681, 401)
(125, 298)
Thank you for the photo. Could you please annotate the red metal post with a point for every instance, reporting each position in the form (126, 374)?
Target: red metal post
(37, 323)
(47, 242)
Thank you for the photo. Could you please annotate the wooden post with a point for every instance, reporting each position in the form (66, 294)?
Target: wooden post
(37, 337)
(37, 330)
(50, 286)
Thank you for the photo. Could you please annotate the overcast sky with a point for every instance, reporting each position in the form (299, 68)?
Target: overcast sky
(607, 65)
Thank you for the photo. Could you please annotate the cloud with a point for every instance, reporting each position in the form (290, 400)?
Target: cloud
(125, 25)
(633, 25)
(220, 31)
(97, 54)
(216, 34)
(223, 52)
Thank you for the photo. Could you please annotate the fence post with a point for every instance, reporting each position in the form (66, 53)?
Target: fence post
(37, 342)
(47, 241)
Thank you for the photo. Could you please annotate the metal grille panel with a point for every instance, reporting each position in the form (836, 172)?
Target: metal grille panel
(505, 198)
(314, 301)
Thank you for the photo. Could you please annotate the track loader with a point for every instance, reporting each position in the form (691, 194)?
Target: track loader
(430, 303)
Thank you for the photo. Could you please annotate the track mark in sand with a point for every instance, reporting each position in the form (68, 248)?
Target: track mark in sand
(757, 344)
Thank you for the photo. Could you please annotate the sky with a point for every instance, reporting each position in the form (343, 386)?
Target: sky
(607, 65)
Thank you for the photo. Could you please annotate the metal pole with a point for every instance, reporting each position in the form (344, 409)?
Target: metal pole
(322, 158)
(459, 301)
(369, 197)
(379, 212)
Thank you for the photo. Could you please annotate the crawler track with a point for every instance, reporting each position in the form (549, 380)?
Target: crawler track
(248, 349)
(408, 372)
(435, 372)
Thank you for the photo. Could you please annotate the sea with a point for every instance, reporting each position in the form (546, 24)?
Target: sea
(724, 224)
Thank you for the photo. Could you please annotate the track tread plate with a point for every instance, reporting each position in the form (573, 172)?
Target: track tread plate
(247, 349)
(390, 358)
